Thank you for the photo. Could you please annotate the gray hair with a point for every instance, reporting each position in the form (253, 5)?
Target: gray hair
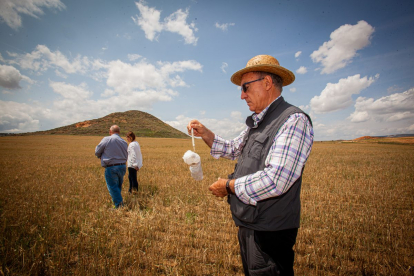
(115, 129)
(276, 79)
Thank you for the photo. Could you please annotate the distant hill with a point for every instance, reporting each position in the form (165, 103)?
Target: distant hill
(141, 123)
(390, 139)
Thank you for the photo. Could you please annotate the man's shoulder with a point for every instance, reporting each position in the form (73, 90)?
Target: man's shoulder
(106, 138)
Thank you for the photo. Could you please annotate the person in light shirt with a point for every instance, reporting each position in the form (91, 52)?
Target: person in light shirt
(134, 161)
(264, 189)
(112, 150)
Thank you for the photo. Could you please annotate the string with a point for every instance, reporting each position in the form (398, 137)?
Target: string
(192, 135)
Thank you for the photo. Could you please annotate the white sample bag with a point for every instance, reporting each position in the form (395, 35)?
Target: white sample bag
(193, 159)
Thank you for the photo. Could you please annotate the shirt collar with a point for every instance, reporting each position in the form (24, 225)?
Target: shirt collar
(257, 118)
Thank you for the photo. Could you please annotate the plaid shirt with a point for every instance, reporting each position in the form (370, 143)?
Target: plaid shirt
(283, 166)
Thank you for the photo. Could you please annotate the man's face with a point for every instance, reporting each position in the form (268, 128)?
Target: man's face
(255, 95)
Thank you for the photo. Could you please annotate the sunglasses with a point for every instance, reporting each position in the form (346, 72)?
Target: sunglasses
(244, 88)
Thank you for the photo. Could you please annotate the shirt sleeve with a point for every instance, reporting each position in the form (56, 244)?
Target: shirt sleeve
(132, 158)
(101, 147)
(230, 149)
(283, 165)
(138, 155)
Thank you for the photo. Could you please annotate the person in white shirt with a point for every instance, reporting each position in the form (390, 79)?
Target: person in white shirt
(134, 161)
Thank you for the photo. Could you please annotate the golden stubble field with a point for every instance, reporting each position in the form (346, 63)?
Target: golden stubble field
(56, 216)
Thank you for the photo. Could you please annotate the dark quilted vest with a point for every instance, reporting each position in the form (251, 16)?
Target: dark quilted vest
(277, 213)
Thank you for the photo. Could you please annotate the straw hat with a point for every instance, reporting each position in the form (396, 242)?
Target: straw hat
(264, 63)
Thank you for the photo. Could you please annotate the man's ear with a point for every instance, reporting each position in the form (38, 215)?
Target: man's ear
(268, 82)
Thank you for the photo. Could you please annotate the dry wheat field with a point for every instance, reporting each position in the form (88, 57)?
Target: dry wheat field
(56, 216)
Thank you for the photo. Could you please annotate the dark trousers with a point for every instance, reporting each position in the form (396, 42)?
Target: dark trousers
(267, 252)
(133, 182)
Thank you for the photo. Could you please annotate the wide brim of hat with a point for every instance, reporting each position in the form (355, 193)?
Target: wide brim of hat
(287, 76)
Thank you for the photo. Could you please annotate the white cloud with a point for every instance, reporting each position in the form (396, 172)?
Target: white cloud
(227, 128)
(297, 54)
(108, 93)
(392, 108)
(337, 96)
(1, 58)
(69, 91)
(60, 74)
(133, 57)
(10, 77)
(177, 81)
(129, 86)
(149, 21)
(359, 116)
(393, 89)
(224, 27)
(11, 10)
(176, 23)
(224, 66)
(237, 115)
(292, 89)
(21, 117)
(343, 45)
(179, 66)
(302, 70)
(41, 59)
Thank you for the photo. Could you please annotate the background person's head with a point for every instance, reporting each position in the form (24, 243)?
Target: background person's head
(114, 129)
(130, 136)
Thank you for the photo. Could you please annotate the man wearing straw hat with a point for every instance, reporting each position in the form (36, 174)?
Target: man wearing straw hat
(264, 189)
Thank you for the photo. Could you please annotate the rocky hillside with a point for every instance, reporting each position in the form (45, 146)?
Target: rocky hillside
(141, 123)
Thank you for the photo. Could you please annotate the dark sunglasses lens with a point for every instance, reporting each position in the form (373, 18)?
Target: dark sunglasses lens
(244, 88)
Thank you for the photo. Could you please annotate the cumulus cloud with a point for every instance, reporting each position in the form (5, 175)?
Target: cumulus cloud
(69, 91)
(76, 102)
(302, 70)
(10, 77)
(11, 10)
(108, 93)
(21, 117)
(343, 46)
(337, 96)
(42, 59)
(298, 53)
(224, 66)
(292, 89)
(150, 23)
(128, 86)
(224, 27)
(392, 108)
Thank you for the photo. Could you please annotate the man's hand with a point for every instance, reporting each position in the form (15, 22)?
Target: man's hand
(218, 188)
(201, 131)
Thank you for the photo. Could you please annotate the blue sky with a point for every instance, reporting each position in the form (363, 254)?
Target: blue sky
(63, 62)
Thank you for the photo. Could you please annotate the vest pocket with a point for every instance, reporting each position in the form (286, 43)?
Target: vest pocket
(256, 149)
(243, 212)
